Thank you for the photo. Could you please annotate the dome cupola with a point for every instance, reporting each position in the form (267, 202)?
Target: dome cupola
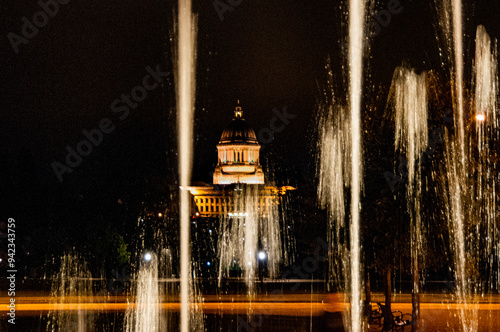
(238, 131)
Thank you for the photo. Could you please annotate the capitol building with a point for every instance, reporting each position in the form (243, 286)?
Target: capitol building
(238, 166)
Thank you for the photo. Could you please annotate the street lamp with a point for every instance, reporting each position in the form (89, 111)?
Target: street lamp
(147, 257)
(262, 255)
(480, 117)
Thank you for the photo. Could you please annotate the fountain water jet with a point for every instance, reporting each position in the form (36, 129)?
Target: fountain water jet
(459, 233)
(356, 37)
(185, 86)
(459, 72)
(456, 161)
(340, 166)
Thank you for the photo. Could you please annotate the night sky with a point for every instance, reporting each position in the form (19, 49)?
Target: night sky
(267, 54)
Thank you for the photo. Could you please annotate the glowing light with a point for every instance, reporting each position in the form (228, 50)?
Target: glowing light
(262, 255)
(208, 263)
(160, 214)
(197, 214)
(147, 257)
(480, 117)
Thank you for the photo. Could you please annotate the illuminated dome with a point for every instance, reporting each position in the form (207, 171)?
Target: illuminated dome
(238, 131)
(238, 152)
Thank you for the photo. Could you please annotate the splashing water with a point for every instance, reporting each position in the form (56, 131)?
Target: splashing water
(166, 288)
(145, 317)
(486, 75)
(457, 191)
(253, 226)
(455, 154)
(408, 96)
(334, 171)
(270, 235)
(486, 89)
(247, 205)
(470, 197)
(72, 284)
